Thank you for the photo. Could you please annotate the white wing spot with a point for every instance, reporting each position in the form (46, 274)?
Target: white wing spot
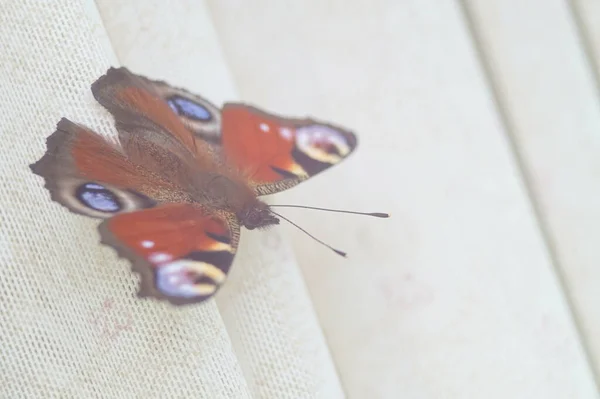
(159, 257)
(286, 133)
(95, 186)
(147, 244)
(264, 127)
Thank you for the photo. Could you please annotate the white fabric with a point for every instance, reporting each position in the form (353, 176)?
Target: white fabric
(560, 154)
(70, 325)
(456, 295)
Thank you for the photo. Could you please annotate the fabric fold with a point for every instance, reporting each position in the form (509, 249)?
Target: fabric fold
(70, 323)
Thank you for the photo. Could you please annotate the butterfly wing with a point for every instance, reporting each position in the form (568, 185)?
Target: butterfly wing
(137, 108)
(150, 133)
(276, 153)
(90, 175)
(198, 114)
(147, 124)
(182, 252)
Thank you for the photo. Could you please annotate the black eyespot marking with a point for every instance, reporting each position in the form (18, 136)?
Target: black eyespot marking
(310, 165)
(190, 109)
(216, 237)
(220, 259)
(331, 149)
(202, 279)
(98, 198)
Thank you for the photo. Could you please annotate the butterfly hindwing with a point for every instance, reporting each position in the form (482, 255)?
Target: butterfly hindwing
(182, 252)
(276, 153)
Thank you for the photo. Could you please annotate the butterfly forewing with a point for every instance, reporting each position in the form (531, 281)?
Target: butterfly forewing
(199, 115)
(142, 116)
(90, 175)
(276, 153)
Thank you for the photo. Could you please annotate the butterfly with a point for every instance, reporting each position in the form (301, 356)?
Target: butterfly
(182, 178)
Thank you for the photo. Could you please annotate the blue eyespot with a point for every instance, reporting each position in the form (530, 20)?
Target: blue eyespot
(188, 108)
(98, 198)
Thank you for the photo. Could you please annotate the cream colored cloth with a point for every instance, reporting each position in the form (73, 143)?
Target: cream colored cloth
(70, 325)
(454, 297)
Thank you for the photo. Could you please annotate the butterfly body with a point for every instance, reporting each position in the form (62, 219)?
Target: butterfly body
(182, 178)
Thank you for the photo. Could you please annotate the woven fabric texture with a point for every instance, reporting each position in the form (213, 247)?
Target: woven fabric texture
(70, 325)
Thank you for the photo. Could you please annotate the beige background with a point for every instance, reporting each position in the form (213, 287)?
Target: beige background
(478, 125)
(479, 130)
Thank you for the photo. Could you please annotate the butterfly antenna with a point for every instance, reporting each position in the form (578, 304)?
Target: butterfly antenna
(337, 251)
(375, 214)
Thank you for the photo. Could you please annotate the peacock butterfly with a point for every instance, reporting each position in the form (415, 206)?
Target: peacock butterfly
(182, 178)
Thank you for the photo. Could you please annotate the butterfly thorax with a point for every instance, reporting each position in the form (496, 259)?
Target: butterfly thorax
(256, 214)
(225, 193)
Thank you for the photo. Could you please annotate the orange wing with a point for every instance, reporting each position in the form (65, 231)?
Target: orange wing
(199, 115)
(273, 152)
(182, 253)
(147, 123)
(276, 153)
(91, 176)
(130, 99)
